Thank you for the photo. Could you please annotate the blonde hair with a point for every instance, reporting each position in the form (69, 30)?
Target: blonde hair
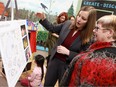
(108, 22)
(87, 30)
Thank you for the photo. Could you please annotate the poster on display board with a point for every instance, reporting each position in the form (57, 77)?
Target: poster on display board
(104, 7)
(14, 48)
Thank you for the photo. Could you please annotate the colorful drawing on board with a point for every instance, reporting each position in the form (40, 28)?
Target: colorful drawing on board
(12, 54)
(12, 49)
(25, 42)
(27, 54)
(23, 30)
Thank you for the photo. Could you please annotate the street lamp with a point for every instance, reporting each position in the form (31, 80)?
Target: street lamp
(51, 2)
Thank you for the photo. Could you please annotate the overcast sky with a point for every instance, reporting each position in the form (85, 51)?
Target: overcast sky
(57, 6)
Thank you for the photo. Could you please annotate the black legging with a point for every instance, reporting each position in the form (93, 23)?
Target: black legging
(55, 71)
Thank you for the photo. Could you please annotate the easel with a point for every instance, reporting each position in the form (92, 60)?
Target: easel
(12, 11)
(12, 17)
(3, 75)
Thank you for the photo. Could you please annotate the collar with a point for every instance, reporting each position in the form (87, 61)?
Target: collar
(99, 45)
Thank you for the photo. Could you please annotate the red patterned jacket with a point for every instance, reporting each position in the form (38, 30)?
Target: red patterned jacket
(95, 67)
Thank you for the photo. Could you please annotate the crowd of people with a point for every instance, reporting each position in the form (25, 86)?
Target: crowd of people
(97, 65)
(84, 53)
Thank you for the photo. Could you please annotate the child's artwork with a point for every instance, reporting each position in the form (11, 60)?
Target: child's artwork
(14, 48)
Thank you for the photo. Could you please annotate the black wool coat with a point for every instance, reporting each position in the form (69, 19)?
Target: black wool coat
(63, 30)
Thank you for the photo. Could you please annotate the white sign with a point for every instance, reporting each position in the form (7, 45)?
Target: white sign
(14, 48)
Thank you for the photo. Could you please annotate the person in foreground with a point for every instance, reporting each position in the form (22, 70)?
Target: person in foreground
(35, 79)
(73, 38)
(97, 65)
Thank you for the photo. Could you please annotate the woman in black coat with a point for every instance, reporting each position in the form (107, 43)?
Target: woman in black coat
(73, 38)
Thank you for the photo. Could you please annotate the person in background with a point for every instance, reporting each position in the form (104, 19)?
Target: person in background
(62, 17)
(73, 38)
(72, 18)
(35, 79)
(96, 66)
(52, 37)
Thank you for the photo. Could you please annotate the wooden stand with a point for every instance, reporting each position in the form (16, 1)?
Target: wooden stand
(1, 68)
(2, 16)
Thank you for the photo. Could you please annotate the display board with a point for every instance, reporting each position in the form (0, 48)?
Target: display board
(14, 48)
(104, 7)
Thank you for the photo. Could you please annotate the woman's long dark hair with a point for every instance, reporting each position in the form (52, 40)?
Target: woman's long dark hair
(87, 32)
(39, 59)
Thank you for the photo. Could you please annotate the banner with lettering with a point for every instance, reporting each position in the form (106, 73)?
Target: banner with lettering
(104, 7)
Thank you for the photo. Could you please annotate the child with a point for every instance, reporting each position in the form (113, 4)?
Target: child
(36, 77)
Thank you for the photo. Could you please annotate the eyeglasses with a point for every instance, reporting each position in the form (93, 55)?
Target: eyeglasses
(97, 28)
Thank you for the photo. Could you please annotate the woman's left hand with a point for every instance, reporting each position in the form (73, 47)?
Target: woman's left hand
(62, 50)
